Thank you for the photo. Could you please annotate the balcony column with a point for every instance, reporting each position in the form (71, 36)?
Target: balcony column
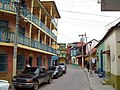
(45, 29)
(50, 28)
(45, 42)
(51, 10)
(40, 11)
(50, 44)
(32, 5)
(38, 35)
(30, 28)
(45, 39)
(45, 20)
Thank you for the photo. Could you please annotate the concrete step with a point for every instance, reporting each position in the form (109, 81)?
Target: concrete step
(107, 81)
(103, 82)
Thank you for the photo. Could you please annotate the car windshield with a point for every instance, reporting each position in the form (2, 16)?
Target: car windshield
(31, 70)
(61, 64)
(52, 68)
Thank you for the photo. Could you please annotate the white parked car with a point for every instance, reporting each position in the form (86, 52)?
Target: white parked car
(63, 66)
(4, 85)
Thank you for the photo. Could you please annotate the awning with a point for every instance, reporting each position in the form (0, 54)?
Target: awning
(54, 57)
(80, 56)
(106, 52)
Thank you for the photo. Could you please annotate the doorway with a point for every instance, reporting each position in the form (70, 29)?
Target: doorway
(30, 61)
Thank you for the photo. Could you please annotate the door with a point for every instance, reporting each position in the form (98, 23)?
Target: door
(30, 61)
(39, 61)
(101, 61)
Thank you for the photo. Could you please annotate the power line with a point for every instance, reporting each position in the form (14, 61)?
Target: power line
(89, 14)
(77, 19)
(85, 24)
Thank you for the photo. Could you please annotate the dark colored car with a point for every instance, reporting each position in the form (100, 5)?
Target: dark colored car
(63, 66)
(57, 71)
(31, 77)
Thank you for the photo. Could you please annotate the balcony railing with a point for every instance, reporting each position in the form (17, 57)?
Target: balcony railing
(39, 23)
(11, 8)
(54, 22)
(7, 6)
(9, 37)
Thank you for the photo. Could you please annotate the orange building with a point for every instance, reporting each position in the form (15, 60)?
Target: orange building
(36, 34)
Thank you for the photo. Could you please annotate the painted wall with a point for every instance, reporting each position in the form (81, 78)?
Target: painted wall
(94, 43)
(7, 75)
(117, 32)
(111, 42)
(99, 48)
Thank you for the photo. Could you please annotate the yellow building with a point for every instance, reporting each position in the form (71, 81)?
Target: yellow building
(37, 26)
(62, 52)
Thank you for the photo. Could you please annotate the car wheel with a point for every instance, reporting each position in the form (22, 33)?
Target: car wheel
(50, 80)
(62, 74)
(36, 85)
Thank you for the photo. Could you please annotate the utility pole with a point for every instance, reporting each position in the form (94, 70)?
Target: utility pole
(17, 6)
(82, 49)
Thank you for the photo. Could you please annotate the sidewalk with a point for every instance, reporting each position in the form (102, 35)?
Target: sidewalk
(95, 82)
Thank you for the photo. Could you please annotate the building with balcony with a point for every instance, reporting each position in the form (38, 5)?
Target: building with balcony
(76, 53)
(35, 35)
(62, 52)
(68, 53)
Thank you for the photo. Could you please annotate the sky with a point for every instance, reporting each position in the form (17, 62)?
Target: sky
(80, 16)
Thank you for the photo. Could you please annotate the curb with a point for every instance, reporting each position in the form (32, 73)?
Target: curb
(88, 80)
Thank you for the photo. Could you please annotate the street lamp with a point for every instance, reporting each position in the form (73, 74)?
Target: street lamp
(17, 6)
(91, 74)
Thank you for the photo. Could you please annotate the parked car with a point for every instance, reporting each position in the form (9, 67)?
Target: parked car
(31, 77)
(63, 66)
(4, 85)
(57, 71)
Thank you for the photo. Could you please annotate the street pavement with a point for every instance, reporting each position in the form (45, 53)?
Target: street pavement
(74, 79)
(95, 83)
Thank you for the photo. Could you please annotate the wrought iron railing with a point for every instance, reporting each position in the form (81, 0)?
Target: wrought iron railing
(8, 6)
(8, 37)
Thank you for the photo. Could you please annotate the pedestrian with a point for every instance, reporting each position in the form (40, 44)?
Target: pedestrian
(88, 66)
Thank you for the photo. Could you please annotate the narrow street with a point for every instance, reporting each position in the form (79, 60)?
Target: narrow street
(74, 79)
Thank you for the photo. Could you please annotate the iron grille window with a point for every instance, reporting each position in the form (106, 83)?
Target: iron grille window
(3, 62)
(20, 62)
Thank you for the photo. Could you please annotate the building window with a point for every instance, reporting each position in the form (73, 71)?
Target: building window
(39, 61)
(20, 62)
(49, 61)
(3, 63)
